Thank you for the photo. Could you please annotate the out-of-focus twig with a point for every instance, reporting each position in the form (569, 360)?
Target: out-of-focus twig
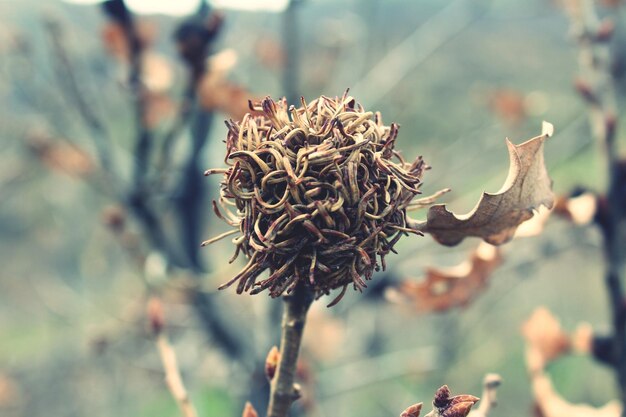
(118, 12)
(195, 38)
(596, 86)
(66, 75)
(167, 354)
(491, 382)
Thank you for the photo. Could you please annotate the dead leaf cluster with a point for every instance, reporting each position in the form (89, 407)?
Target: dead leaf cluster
(60, 156)
(442, 289)
(446, 405)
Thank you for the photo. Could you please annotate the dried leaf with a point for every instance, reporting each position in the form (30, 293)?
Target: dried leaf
(543, 332)
(582, 338)
(157, 73)
(249, 411)
(496, 216)
(535, 225)
(509, 105)
(159, 107)
(551, 404)
(156, 316)
(412, 411)
(116, 42)
(217, 93)
(10, 392)
(580, 209)
(545, 341)
(61, 156)
(443, 289)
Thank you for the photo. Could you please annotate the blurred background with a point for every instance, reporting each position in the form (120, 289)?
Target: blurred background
(91, 226)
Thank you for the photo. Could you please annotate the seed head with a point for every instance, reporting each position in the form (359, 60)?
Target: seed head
(317, 194)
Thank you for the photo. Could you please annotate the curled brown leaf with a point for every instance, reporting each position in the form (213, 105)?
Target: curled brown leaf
(496, 216)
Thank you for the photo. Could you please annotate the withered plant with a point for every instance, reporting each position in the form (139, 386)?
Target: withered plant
(318, 195)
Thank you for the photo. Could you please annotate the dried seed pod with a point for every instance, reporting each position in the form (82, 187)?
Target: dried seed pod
(317, 193)
(412, 411)
(271, 363)
(156, 315)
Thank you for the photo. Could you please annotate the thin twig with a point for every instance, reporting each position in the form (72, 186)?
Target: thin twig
(167, 354)
(143, 140)
(66, 75)
(491, 382)
(598, 89)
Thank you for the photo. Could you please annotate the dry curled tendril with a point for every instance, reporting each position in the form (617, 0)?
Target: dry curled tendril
(317, 194)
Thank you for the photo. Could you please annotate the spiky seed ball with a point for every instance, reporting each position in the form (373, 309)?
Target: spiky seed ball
(317, 194)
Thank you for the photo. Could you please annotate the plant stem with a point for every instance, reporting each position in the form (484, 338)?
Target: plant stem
(283, 392)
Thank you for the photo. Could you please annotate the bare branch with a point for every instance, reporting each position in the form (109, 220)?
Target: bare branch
(173, 377)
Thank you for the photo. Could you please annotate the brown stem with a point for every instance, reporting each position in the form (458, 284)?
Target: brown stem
(283, 391)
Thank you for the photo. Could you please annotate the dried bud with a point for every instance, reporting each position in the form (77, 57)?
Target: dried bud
(249, 411)
(605, 30)
(297, 391)
(457, 406)
(114, 218)
(458, 410)
(194, 37)
(610, 124)
(271, 363)
(412, 411)
(320, 195)
(585, 90)
(442, 397)
(156, 316)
